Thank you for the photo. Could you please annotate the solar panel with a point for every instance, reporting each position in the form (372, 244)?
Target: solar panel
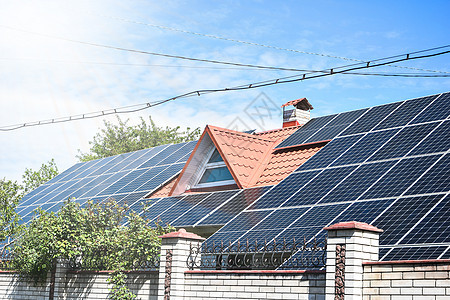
(202, 209)
(387, 167)
(233, 206)
(402, 215)
(371, 118)
(125, 177)
(403, 142)
(406, 112)
(279, 193)
(414, 253)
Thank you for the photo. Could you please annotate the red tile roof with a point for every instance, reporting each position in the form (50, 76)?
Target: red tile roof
(251, 158)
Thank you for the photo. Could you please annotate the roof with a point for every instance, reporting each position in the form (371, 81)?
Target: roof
(251, 158)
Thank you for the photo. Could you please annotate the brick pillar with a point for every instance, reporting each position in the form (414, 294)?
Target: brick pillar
(60, 278)
(349, 244)
(175, 248)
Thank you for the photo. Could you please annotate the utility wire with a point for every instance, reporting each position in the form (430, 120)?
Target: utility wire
(294, 78)
(155, 53)
(249, 43)
(384, 74)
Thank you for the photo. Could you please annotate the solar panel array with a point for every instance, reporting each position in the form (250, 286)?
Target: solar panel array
(203, 209)
(126, 178)
(387, 166)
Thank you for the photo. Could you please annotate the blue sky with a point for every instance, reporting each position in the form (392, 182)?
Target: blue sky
(44, 78)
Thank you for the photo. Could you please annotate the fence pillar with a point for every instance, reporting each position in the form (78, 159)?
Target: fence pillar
(175, 248)
(349, 244)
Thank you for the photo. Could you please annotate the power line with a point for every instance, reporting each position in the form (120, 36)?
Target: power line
(155, 53)
(249, 43)
(294, 78)
(385, 74)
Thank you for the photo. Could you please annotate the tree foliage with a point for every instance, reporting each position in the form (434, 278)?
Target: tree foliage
(10, 194)
(94, 234)
(121, 138)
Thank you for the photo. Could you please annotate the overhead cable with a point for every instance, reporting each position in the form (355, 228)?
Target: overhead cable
(288, 79)
(250, 43)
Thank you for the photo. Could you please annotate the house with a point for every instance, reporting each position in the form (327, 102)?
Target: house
(386, 165)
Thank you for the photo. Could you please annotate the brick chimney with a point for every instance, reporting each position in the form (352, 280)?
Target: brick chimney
(299, 115)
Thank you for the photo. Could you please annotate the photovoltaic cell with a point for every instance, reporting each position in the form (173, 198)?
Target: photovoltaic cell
(317, 188)
(374, 116)
(437, 141)
(283, 190)
(304, 132)
(185, 204)
(439, 110)
(191, 217)
(165, 153)
(406, 112)
(280, 219)
(358, 182)
(400, 177)
(403, 142)
(326, 133)
(329, 153)
(434, 228)
(246, 220)
(364, 148)
(363, 211)
(234, 206)
(140, 176)
(320, 215)
(180, 153)
(414, 253)
(435, 180)
(158, 207)
(402, 215)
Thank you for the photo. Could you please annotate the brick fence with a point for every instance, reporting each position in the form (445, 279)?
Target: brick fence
(352, 272)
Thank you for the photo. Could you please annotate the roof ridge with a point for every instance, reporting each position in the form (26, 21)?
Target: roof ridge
(253, 136)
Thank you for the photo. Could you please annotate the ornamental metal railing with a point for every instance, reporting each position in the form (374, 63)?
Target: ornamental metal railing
(101, 260)
(257, 255)
(6, 261)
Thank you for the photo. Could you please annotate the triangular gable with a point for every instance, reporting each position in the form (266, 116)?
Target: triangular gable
(242, 153)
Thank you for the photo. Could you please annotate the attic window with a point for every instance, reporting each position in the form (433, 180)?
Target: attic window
(215, 172)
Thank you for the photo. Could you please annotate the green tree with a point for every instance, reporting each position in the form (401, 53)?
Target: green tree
(94, 233)
(121, 138)
(10, 194)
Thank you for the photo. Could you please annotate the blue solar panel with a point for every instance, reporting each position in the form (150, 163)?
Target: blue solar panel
(406, 112)
(179, 154)
(359, 181)
(205, 207)
(403, 142)
(329, 153)
(160, 206)
(364, 148)
(234, 206)
(400, 177)
(402, 215)
(165, 153)
(414, 253)
(363, 211)
(140, 177)
(372, 117)
(279, 193)
(434, 228)
(439, 110)
(306, 131)
(435, 180)
(437, 141)
(313, 191)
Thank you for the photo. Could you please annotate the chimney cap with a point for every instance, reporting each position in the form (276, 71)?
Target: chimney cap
(302, 103)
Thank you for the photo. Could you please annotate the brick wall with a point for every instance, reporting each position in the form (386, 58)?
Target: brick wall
(76, 285)
(201, 285)
(407, 280)
(14, 287)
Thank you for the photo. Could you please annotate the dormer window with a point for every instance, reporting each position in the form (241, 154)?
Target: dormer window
(215, 172)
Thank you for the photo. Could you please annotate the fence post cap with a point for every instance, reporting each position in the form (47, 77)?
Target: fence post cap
(182, 233)
(353, 225)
